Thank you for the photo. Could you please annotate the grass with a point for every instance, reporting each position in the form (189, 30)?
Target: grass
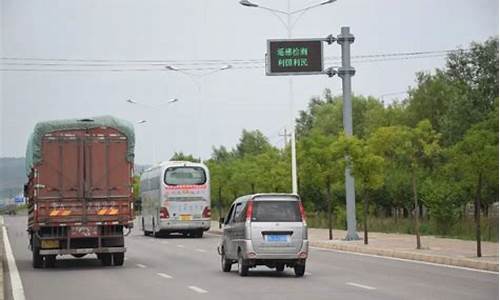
(464, 229)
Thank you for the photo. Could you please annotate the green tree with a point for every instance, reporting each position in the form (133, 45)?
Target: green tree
(320, 168)
(252, 143)
(184, 157)
(366, 166)
(411, 148)
(477, 157)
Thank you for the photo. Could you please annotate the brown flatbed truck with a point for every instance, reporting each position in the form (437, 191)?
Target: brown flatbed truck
(79, 189)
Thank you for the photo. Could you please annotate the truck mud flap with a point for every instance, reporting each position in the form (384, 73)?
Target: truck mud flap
(82, 251)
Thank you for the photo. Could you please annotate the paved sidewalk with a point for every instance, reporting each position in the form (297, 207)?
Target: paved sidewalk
(435, 250)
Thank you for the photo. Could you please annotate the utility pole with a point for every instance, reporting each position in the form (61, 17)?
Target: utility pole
(346, 71)
(285, 136)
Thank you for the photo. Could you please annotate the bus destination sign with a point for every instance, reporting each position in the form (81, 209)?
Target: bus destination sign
(294, 57)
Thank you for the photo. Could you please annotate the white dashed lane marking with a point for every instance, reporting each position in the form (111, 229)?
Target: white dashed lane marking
(180, 246)
(141, 266)
(201, 250)
(164, 275)
(197, 289)
(367, 287)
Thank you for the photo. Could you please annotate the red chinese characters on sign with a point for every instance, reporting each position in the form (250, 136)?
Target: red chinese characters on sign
(186, 187)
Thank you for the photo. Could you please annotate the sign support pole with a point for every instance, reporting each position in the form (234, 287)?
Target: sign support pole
(345, 39)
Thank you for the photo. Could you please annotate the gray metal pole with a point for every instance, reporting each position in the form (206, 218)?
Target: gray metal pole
(345, 39)
(293, 152)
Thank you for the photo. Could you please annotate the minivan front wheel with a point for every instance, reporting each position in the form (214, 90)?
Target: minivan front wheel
(225, 263)
(242, 266)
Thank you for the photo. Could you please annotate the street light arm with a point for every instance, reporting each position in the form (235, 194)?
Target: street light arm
(276, 11)
(311, 7)
(302, 11)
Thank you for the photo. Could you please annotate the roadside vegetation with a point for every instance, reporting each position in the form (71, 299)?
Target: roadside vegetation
(425, 165)
(437, 150)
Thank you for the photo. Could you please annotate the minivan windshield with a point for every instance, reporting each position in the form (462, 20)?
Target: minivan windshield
(276, 211)
(185, 176)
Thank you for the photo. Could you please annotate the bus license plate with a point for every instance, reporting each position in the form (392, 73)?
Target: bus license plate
(276, 238)
(186, 217)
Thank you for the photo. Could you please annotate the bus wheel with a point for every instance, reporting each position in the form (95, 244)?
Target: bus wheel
(198, 234)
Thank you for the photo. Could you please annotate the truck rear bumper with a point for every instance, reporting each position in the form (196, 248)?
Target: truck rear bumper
(82, 251)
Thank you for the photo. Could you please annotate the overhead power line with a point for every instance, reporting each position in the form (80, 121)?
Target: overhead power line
(21, 64)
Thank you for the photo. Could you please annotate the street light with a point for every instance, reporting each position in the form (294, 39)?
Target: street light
(169, 101)
(190, 74)
(196, 79)
(130, 101)
(288, 24)
(248, 3)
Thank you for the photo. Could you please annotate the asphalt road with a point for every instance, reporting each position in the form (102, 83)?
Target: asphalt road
(184, 268)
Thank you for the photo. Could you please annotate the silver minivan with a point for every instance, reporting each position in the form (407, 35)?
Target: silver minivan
(265, 229)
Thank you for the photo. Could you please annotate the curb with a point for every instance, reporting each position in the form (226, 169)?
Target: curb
(436, 259)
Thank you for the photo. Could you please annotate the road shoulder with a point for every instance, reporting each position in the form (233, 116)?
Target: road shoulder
(436, 250)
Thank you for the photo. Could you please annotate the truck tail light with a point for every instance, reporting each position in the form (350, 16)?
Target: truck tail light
(207, 212)
(302, 212)
(164, 213)
(249, 211)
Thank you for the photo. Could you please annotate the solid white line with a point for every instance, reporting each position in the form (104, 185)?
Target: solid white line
(15, 278)
(201, 250)
(361, 285)
(164, 275)
(197, 289)
(141, 266)
(406, 260)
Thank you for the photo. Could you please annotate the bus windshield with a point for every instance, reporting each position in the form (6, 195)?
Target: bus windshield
(185, 176)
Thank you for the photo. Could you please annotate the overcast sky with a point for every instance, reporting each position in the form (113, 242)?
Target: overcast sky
(214, 109)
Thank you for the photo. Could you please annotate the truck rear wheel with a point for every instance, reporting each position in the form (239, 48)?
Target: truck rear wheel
(106, 259)
(37, 258)
(50, 261)
(118, 259)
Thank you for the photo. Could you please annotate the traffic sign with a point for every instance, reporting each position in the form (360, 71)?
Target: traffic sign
(294, 57)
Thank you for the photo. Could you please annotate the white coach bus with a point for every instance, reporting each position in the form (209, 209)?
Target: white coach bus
(176, 198)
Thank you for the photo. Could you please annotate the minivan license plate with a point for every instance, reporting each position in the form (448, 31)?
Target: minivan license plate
(276, 238)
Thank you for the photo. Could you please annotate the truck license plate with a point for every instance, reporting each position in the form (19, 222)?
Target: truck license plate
(50, 244)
